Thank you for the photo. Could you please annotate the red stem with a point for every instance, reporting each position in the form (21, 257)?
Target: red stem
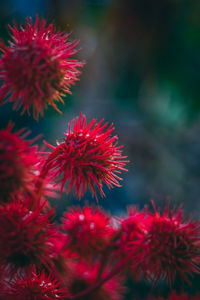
(116, 270)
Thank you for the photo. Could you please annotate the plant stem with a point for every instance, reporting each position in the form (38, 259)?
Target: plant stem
(115, 271)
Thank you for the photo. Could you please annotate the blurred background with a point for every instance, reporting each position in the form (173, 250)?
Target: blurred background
(142, 72)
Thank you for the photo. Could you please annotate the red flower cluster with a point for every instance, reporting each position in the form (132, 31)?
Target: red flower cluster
(88, 156)
(36, 68)
(90, 255)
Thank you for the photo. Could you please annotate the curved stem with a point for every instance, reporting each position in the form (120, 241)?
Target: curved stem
(103, 263)
(115, 271)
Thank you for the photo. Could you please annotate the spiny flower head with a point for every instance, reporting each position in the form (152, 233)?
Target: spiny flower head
(88, 156)
(83, 276)
(37, 68)
(171, 246)
(18, 162)
(26, 237)
(35, 286)
(88, 231)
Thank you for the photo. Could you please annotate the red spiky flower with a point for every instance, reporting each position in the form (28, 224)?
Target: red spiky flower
(25, 236)
(35, 285)
(88, 156)
(171, 246)
(88, 231)
(18, 162)
(36, 68)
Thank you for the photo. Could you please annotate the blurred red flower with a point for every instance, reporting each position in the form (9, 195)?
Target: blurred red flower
(26, 237)
(18, 163)
(88, 231)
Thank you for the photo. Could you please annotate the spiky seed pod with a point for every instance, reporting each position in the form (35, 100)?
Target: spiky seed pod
(26, 237)
(35, 285)
(88, 156)
(36, 69)
(88, 231)
(171, 246)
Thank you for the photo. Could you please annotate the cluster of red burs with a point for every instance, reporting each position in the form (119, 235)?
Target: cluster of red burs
(89, 254)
